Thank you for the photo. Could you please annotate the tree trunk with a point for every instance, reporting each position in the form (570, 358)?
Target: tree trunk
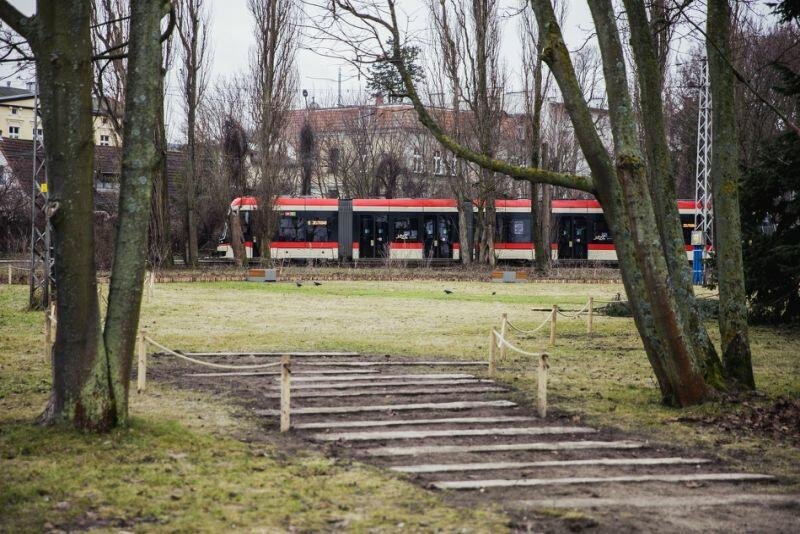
(661, 183)
(140, 160)
(190, 220)
(160, 235)
(237, 239)
(63, 50)
(725, 179)
(540, 233)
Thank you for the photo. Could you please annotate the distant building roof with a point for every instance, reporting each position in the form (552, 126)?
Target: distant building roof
(107, 160)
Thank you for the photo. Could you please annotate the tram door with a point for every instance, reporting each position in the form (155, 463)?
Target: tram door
(439, 235)
(373, 234)
(572, 238)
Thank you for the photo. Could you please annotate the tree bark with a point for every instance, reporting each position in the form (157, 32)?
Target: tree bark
(63, 50)
(661, 183)
(140, 161)
(725, 179)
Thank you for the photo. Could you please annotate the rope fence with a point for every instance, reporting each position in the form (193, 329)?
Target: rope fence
(284, 364)
(497, 341)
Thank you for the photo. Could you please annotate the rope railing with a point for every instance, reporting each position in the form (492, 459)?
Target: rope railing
(284, 364)
(496, 340)
(575, 315)
(514, 327)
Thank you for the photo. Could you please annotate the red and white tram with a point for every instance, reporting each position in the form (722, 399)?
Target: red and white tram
(424, 229)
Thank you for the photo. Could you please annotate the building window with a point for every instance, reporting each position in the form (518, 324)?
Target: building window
(105, 140)
(13, 132)
(438, 164)
(39, 134)
(107, 182)
(417, 165)
(14, 111)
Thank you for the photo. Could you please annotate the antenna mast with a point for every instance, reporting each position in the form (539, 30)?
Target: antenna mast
(40, 277)
(704, 210)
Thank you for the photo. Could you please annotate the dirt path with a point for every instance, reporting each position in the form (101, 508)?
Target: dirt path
(448, 428)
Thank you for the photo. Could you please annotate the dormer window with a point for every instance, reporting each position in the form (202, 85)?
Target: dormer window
(105, 140)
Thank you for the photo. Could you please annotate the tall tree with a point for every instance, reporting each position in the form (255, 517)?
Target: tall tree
(193, 31)
(683, 367)
(274, 81)
(91, 367)
(725, 180)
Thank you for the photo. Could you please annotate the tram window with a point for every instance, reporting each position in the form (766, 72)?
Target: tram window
(321, 226)
(406, 229)
(245, 219)
(514, 228)
(687, 222)
(601, 232)
(291, 229)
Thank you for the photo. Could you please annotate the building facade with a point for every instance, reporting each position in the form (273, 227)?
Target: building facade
(17, 118)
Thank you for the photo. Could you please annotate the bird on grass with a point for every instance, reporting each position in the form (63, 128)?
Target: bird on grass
(317, 284)
(298, 284)
(494, 293)
(448, 291)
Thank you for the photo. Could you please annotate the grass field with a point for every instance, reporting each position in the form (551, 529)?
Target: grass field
(184, 463)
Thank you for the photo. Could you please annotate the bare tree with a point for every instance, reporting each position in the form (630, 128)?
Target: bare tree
(683, 365)
(273, 87)
(193, 32)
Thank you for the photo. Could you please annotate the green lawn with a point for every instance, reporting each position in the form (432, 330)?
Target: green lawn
(183, 464)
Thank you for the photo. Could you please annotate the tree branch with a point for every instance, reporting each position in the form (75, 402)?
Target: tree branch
(532, 174)
(16, 20)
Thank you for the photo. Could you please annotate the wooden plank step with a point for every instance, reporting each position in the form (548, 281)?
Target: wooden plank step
(408, 422)
(378, 384)
(461, 405)
(526, 482)
(348, 378)
(536, 446)
(496, 466)
(300, 354)
(660, 501)
(392, 392)
(277, 373)
(446, 363)
(454, 433)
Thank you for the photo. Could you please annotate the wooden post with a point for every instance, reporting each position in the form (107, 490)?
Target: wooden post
(48, 329)
(590, 316)
(553, 316)
(9, 275)
(141, 373)
(286, 394)
(541, 397)
(492, 349)
(503, 330)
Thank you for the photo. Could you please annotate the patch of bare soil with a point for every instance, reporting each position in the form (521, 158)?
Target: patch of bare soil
(779, 421)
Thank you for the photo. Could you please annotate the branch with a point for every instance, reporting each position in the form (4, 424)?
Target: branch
(16, 20)
(164, 36)
(742, 79)
(532, 174)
